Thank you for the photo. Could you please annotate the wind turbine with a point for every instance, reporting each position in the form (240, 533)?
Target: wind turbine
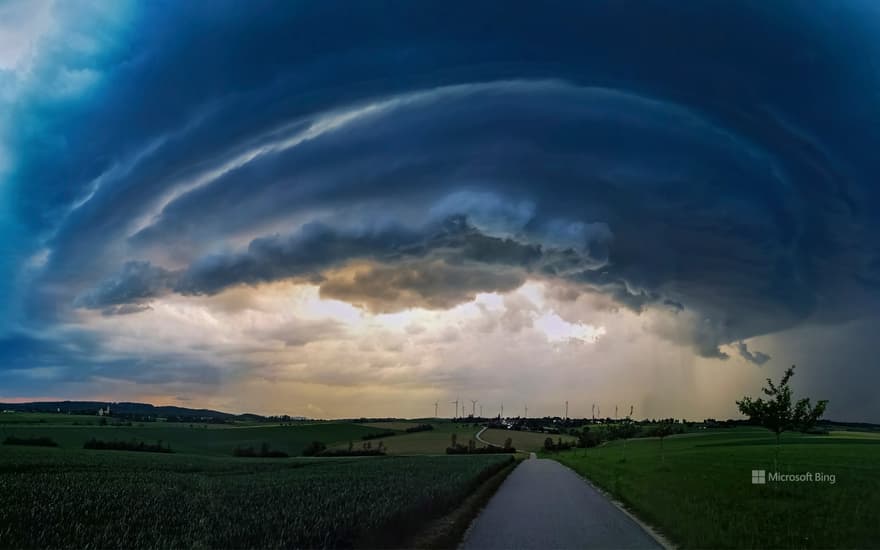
(615, 412)
(566, 410)
(436, 404)
(456, 408)
(630, 411)
(502, 409)
(527, 410)
(594, 411)
(473, 407)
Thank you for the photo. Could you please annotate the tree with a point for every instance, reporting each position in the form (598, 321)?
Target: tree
(508, 443)
(777, 413)
(313, 448)
(623, 431)
(661, 431)
(588, 439)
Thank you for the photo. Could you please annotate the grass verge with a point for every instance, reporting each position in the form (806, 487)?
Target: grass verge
(698, 490)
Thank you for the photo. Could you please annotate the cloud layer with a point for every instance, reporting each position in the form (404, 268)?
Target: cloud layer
(427, 156)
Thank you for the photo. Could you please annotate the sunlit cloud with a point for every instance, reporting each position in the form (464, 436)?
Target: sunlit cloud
(559, 330)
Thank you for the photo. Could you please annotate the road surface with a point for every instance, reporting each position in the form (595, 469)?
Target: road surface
(544, 505)
(480, 439)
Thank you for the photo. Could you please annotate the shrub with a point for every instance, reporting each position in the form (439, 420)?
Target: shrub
(379, 435)
(474, 450)
(419, 428)
(314, 448)
(264, 452)
(549, 445)
(588, 439)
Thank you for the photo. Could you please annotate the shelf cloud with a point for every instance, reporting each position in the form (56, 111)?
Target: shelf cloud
(427, 161)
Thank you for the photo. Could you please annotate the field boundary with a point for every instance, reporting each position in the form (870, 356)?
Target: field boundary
(448, 531)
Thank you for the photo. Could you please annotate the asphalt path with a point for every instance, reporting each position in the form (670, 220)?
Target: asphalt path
(544, 505)
(481, 440)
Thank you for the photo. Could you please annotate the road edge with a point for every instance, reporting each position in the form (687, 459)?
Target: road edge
(449, 530)
(652, 531)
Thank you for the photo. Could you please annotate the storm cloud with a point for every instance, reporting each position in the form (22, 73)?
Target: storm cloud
(712, 166)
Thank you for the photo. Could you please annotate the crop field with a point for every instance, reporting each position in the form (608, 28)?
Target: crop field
(699, 492)
(522, 441)
(432, 442)
(193, 438)
(392, 425)
(56, 498)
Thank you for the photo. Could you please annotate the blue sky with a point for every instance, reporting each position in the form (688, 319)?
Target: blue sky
(331, 209)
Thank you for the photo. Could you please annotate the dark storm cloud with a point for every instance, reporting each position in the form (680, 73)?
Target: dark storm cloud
(436, 265)
(28, 362)
(755, 357)
(426, 284)
(715, 160)
(135, 283)
(314, 248)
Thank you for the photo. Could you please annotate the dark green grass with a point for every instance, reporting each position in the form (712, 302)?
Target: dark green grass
(22, 418)
(77, 499)
(199, 440)
(701, 496)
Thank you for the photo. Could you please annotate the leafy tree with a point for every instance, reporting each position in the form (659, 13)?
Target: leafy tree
(508, 443)
(624, 431)
(777, 413)
(662, 430)
(588, 439)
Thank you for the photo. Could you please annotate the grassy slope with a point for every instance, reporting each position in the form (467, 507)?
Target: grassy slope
(703, 497)
(433, 442)
(198, 440)
(425, 443)
(397, 425)
(522, 441)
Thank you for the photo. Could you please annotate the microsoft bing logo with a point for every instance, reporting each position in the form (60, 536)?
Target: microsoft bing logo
(759, 477)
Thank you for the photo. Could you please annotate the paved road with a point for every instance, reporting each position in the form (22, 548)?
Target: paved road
(489, 443)
(544, 505)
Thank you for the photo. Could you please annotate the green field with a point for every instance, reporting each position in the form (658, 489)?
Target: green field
(425, 443)
(522, 441)
(59, 498)
(392, 425)
(701, 494)
(217, 440)
(432, 442)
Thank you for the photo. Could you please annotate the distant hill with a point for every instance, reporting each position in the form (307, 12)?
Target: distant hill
(122, 408)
